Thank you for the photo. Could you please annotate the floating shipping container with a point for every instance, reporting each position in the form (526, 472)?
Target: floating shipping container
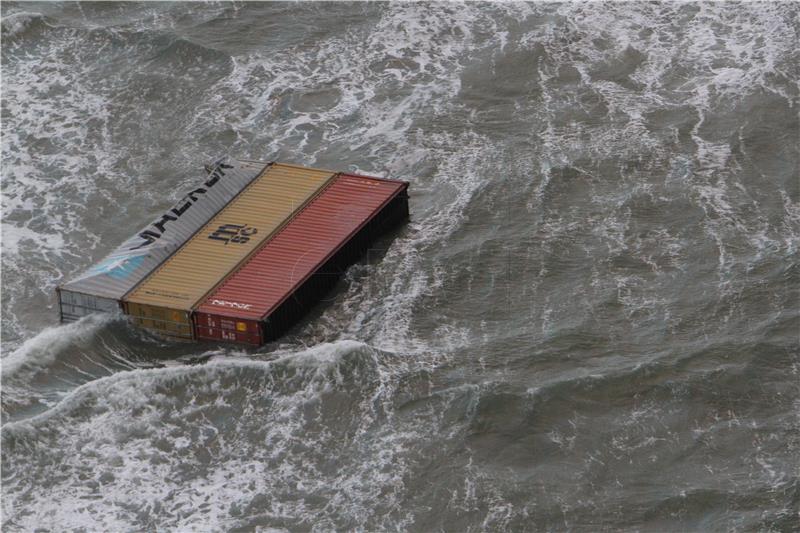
(292, 270)
(102, 287)
(164, 300)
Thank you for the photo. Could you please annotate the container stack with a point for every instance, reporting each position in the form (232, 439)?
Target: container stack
(242, 257)
(277, 284)
(102, 287)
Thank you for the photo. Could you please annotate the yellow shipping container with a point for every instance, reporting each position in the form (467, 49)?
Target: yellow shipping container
(163, 301)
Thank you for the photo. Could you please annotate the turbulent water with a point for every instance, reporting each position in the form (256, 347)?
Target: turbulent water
(590, 323)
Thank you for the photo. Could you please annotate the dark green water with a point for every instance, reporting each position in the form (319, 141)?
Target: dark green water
(590, 324)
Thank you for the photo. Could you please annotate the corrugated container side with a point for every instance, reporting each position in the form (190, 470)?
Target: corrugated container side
(306, 258)
(121, 270)
(74, 305)
(213, 327)
(225, 241)
(169, 322)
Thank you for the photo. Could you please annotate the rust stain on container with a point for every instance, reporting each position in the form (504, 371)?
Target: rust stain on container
(164, 300)
(291, 271)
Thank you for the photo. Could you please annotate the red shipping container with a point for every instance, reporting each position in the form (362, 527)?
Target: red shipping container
(301, 260)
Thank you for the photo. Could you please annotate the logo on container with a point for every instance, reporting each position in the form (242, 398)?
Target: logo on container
(232, 305)
(237, 233)
(158, 228)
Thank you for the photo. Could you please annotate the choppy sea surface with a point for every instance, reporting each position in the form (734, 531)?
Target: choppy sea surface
(591, 322)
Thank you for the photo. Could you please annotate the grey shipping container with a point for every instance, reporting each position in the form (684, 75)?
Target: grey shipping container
(101, 287)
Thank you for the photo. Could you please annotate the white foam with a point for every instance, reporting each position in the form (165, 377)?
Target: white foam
(17, 23)
(42, 349)
(15, 237)
(133, 434)
(55, 150)
(720, 67)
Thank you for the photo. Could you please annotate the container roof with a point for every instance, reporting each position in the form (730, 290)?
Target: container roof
(261, 209)
(294, 253)
(121, 270)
